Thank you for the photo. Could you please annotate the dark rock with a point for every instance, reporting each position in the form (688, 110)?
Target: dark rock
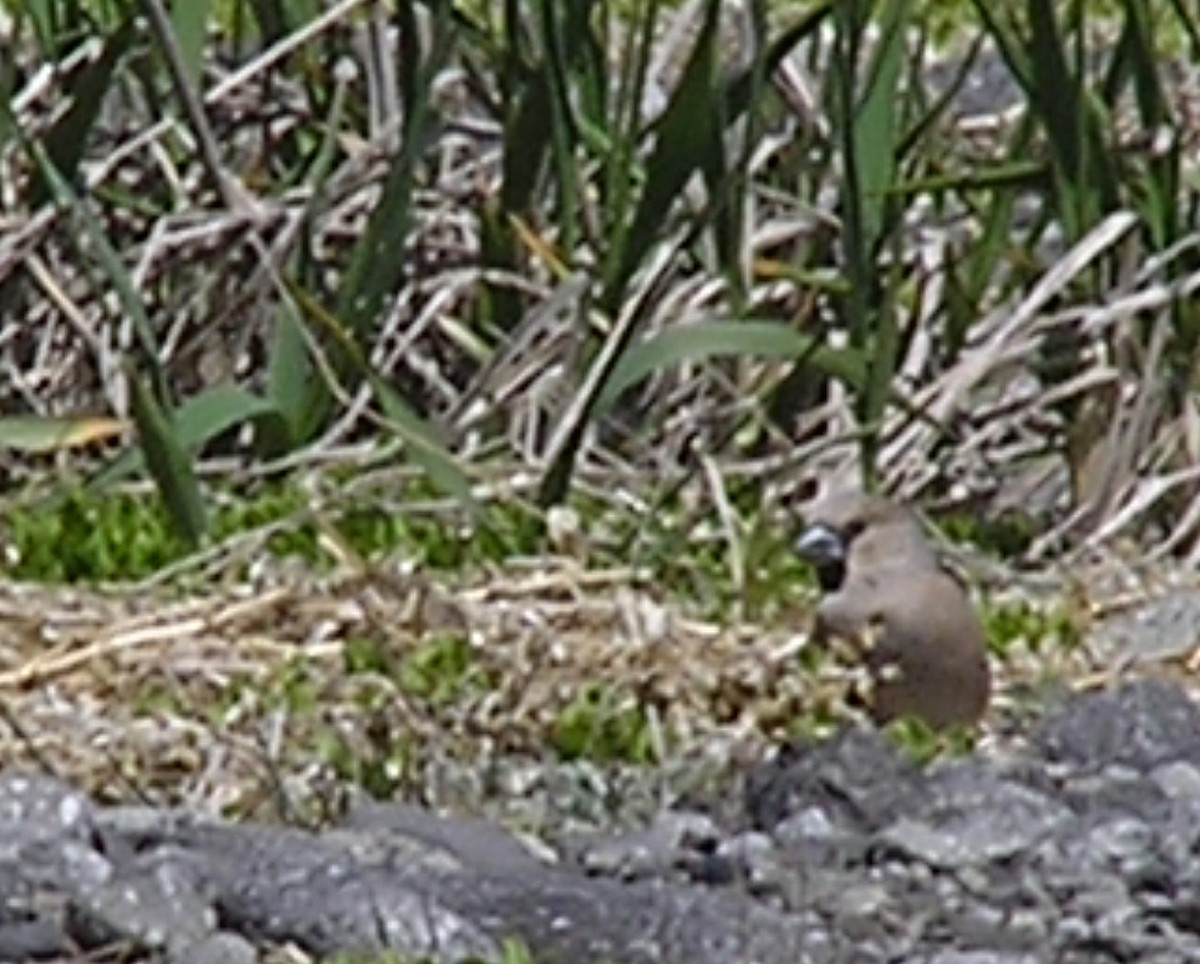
(857, 778)
(674, 840)
(564, 918)
(155, 906)
(33, 940)
(1160, 629)
(1085, 848)
(36, 809)
(973, 817)
(1115, 789)
(1141, 724)
(470, 842)
(221, 947)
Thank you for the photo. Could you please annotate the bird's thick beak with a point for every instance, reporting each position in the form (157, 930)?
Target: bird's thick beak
(821, 545)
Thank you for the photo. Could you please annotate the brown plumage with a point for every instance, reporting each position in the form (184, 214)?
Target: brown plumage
(888, 596)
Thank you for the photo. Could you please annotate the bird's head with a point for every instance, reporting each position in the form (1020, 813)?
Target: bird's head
(850, 530)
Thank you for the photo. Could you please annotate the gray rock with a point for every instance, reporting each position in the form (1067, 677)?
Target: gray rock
(35, 809)
(1081, 848)
(1178, 780)
(675, 839)
(34, 940)
(1141, 724)
(809, 836)
(220, 947)
(983, 957)
(974, 818)
(1159, 629)
(470, 842)
(1114, 788)
(866, 912)
(155, 906)
(857, 778)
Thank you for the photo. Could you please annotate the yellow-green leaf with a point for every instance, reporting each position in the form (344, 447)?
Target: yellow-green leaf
(38, 435)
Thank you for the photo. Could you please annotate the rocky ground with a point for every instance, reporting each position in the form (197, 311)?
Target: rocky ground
(1080, 847)
(1070, 834)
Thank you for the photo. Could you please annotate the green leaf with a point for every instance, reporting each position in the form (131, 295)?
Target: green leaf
(292, 381)
(169, 463)
(85, 92)
(688, 138)
(93, 230)
(189, 21)
(875, 122)
(421, 442)
(211, 413)
(197, 421)
(423, 446)
(711, 339)
(39, 435)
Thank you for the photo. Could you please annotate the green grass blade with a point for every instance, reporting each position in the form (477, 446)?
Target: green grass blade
(272, 17)
(527, 136)
(103, 251)
(420, 439)
(875, 124)
(85, 92)
(41, 435)
(729, 190)
(376, 266)
(189, 21)
(422, 445)
(168, 461)
(1185, 16)
(213, 412)
(1058, 99)
(997, 221)
(688, 137)
(619, 185)
(925, 125)
(1160, 176)
(883, 358)
(1008, 175)
(712, 339)
(1008, 43)
(293, 384)
(740, 92)
(196, 422)
(563, 135)
(850, 21)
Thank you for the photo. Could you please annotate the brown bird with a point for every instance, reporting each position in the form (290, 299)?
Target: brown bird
(887, 595)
